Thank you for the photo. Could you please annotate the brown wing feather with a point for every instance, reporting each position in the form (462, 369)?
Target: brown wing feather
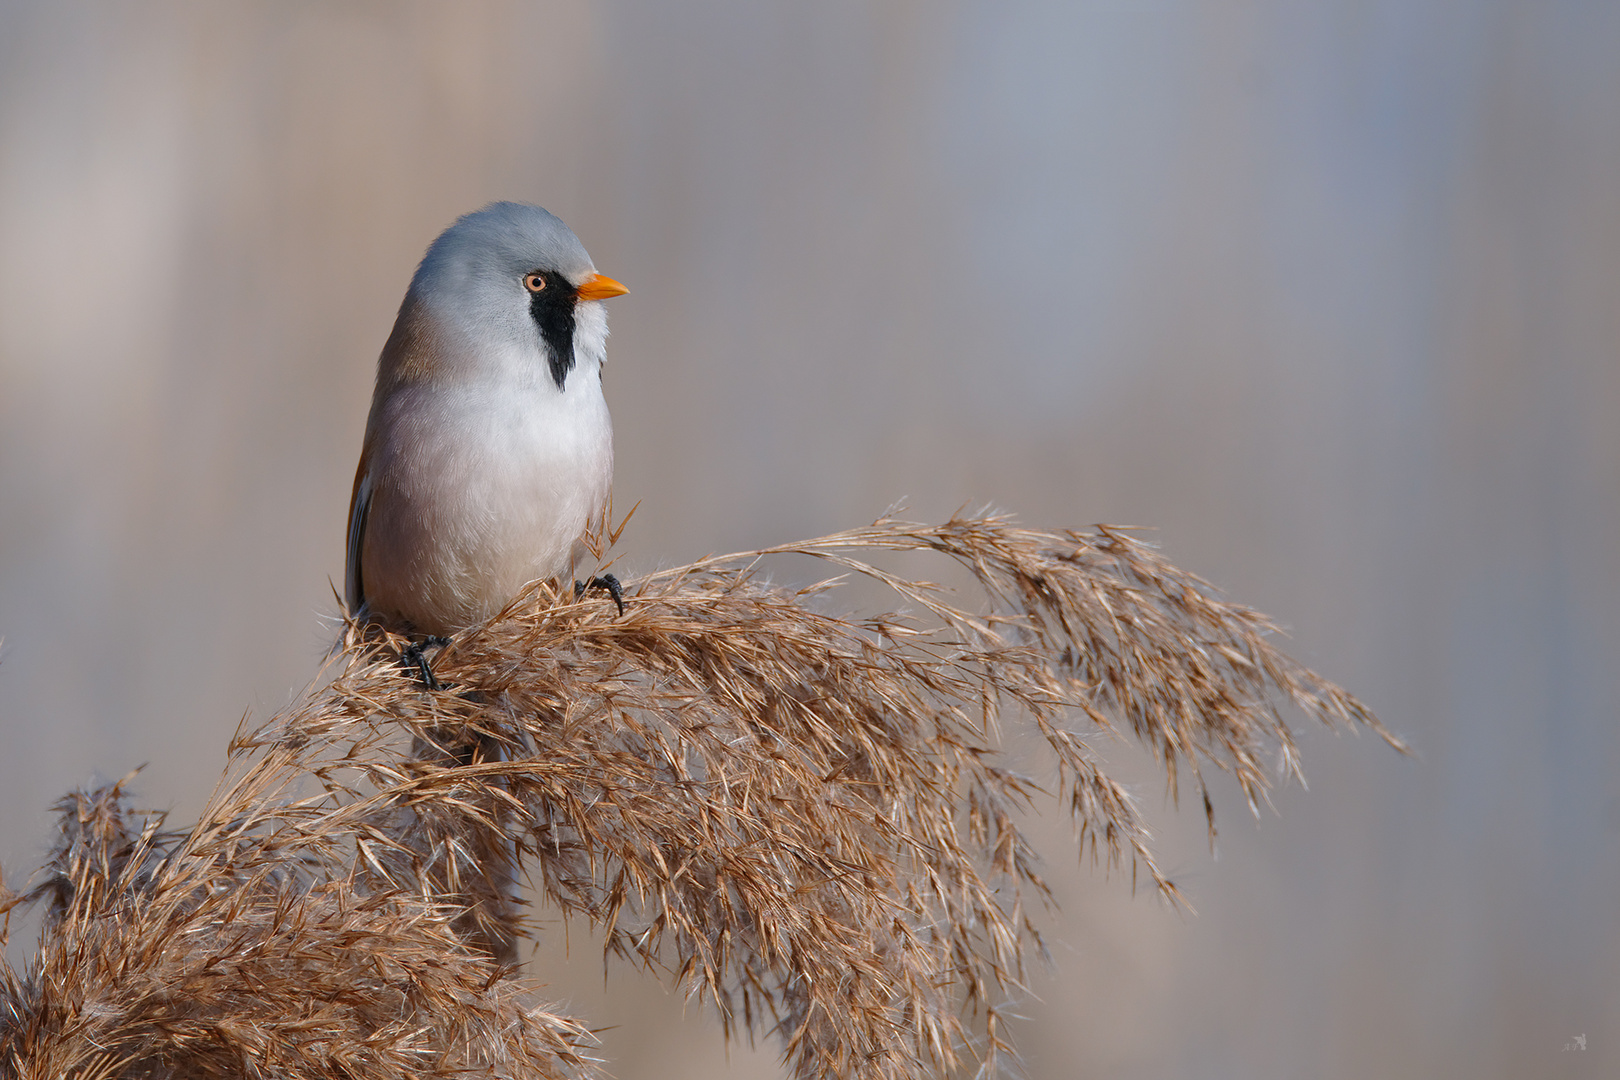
(411, 354)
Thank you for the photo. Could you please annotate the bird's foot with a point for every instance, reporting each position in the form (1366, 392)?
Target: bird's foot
(606, 581)
(415, 656)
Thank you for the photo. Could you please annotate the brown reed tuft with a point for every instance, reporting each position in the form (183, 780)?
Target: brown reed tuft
(806, 819)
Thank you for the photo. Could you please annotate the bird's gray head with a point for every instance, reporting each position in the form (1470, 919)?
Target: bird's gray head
(509, 275)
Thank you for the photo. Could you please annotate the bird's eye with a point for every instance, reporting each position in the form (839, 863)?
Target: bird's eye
(533, 282)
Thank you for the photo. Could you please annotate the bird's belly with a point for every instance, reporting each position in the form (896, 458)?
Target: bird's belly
(493, 493)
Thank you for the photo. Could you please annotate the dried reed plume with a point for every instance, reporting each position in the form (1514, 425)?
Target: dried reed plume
(806, 819)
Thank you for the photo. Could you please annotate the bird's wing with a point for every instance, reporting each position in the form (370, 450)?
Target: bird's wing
(354, 590)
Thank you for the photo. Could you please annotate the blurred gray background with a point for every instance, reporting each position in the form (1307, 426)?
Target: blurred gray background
(1328, 292)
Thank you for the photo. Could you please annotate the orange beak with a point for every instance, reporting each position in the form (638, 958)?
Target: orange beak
(600, 287)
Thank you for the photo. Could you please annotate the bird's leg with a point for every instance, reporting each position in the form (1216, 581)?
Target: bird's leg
(415, 655)
(606, 581)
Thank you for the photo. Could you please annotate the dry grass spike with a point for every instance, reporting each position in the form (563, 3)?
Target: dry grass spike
(806, 818)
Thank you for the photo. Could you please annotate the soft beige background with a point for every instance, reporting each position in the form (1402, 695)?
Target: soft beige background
(1329, 292)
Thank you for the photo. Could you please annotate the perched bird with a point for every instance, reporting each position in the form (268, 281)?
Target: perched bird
(489, 451)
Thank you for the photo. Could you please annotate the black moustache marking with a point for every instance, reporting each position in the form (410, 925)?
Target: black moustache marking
(552, 309)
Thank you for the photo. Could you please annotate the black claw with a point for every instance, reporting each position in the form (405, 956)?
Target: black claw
(606, 581)
(415, 655)
(615, 590)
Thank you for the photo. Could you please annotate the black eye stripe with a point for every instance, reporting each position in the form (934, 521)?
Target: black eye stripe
(552, 309)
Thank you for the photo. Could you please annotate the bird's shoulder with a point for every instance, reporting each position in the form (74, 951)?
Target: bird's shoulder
(414, 351)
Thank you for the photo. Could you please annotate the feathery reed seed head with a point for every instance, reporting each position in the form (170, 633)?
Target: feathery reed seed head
(805, 818)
